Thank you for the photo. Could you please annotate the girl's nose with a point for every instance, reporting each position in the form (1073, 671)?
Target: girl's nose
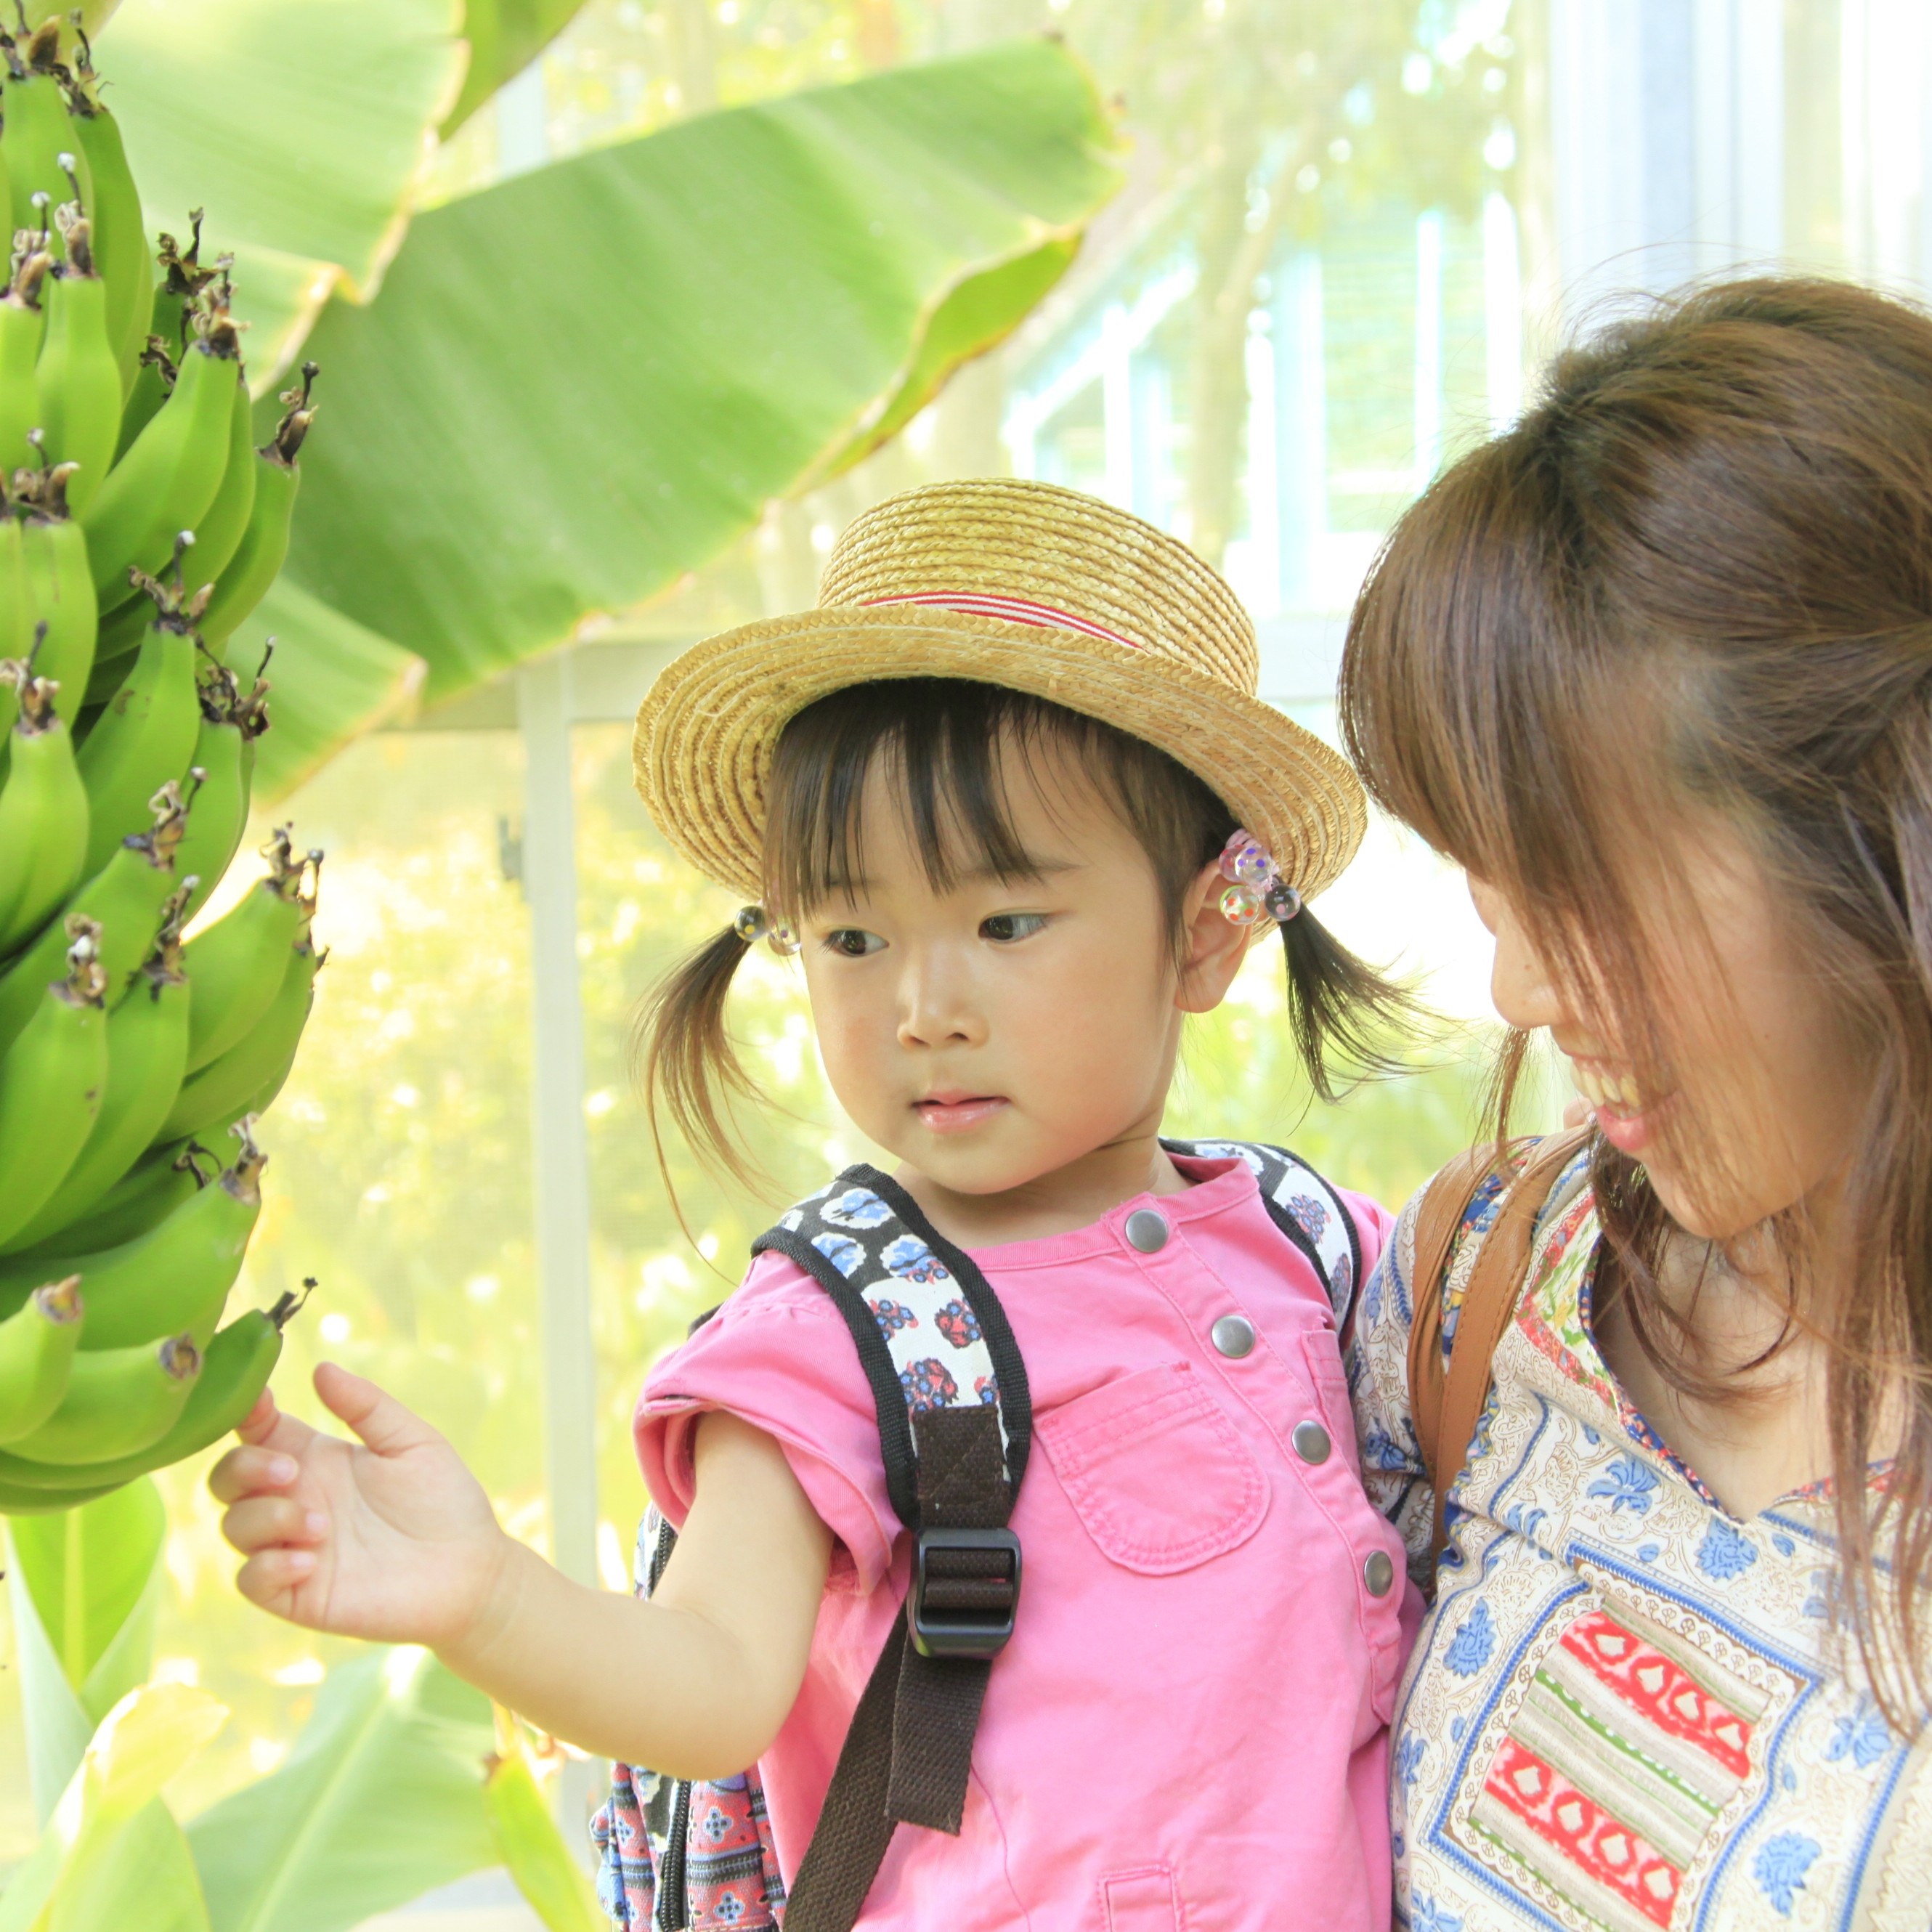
(936, 1007)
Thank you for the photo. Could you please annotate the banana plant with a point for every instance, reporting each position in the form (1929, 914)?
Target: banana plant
(554, 397)
(399, 1783)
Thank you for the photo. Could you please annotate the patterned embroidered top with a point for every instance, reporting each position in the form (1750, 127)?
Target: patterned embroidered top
(1622, 1712)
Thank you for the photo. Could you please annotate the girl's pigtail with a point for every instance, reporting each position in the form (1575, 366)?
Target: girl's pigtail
(682, 1059)
(1343, 1010)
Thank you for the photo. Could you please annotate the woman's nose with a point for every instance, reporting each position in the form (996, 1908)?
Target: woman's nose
(1525, 992)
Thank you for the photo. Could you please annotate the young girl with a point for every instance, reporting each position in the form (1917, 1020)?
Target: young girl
(1656, 666)
(1009, 793)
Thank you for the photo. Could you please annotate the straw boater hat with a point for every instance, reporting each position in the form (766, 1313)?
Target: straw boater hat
(1022, 584)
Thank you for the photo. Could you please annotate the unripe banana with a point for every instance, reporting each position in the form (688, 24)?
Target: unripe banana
(37, 132)
(260, 1060)
(169, 476)
(17, 629)
(235, 1371)
(51, 1084)
(78, 378)
(217, 799)
(120, 236)
(264, 545)
(37, 1345)
(219, 534)
(43, 818)
(147, 1053)
(118, 1402)
(22, 323)
(143, 740)
(154, 372)
(140, 1201)
(60, 592)
(236, 966)
(173, 1280)
(124, 905)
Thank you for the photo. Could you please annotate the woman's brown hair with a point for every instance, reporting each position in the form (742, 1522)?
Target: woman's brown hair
(951, 745)
(1699, 569)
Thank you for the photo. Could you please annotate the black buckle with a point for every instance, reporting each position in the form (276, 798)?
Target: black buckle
(956, 1632)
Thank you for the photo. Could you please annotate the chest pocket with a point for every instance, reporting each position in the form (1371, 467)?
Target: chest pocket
(1155, 1471)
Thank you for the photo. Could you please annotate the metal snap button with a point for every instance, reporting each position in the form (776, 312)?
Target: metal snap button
(1233, 1335)
(1379, 1572)
(1311, 1441)
(1146, 1230)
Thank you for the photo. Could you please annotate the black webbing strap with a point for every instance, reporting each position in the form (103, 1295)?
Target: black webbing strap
(909, 1753)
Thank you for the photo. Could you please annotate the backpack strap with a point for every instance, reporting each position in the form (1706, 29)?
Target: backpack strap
(955, 1427)
(1304, 1207)
(1449, 1384)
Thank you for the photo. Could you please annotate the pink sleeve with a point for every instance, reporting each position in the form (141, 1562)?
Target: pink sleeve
(778, 1355)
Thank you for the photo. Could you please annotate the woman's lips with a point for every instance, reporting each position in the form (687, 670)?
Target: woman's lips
(1625, 1115)
(952, 1114)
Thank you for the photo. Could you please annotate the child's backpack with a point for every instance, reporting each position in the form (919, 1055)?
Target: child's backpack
(956, 1424)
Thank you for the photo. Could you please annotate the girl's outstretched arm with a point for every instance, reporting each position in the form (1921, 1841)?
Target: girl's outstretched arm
(392, 1538)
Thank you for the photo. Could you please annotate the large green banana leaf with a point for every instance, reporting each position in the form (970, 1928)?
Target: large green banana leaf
(581, 383)
(303, 126)
(84, 1584)
(381, 1800)
(505, 36)
(532, 1848)
(110, 1829)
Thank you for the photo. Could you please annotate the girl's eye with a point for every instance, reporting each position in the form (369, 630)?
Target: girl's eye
(1003, 928)
(852, 942)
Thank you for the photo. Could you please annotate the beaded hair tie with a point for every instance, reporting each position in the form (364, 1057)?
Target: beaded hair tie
(753, 924)
(1256, 889)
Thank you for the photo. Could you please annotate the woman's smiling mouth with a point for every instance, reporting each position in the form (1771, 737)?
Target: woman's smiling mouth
(949, 1112)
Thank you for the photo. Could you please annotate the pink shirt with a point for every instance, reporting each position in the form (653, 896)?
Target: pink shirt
(1188, 1728)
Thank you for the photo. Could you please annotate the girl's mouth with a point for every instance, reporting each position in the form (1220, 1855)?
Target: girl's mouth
(1626, 1116)
(955, 1113)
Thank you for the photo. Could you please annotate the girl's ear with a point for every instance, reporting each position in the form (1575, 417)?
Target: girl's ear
(1213, 946)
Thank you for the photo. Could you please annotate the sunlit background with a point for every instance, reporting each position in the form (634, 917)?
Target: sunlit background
(1353, 230)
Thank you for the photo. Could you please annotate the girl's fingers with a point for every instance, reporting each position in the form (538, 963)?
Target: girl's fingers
(270, 1579)
(265, 1522)
(383, 1422)
(242, 1472)
(259, 1424)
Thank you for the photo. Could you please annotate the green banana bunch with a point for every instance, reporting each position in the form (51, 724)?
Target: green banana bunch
(37, 1345)
(147, 1055)
(175, 1278)
(139, 528)
(51, 1084)
(43, 813)
(234, 1369)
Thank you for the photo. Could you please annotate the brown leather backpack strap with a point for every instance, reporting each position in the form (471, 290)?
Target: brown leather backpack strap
(1489, 1306)
(1445, 1201)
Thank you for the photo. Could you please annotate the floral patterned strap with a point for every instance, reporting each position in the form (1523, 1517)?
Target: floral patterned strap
(1303, 1206)
(930, 1331)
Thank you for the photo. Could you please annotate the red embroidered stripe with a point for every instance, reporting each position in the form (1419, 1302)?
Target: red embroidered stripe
(1013, 610)
(1661, 1690)
(1602, 1846)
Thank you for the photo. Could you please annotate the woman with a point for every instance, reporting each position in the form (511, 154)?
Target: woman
(1656, 668)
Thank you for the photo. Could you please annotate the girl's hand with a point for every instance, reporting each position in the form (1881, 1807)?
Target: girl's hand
(391, 1538)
